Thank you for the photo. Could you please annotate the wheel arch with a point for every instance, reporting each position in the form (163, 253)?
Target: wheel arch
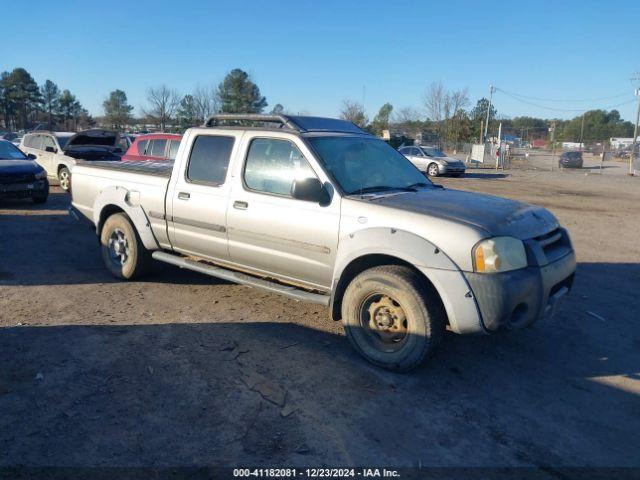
(359, 265)
(120, 200)
(399, 247)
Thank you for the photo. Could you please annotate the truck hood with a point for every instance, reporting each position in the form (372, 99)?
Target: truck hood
(18, 167)
(495, 215)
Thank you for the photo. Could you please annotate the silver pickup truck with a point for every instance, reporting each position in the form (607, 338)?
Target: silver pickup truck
(318, 210)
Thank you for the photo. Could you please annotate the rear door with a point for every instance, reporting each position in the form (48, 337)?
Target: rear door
(33, 146)
(199, 196)
(269, 230)
(49, 150)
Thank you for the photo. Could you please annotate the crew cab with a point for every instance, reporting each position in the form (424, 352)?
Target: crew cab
(318, 210)
(57, 152)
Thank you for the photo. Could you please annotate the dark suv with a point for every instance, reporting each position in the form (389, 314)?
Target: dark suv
(570, 160)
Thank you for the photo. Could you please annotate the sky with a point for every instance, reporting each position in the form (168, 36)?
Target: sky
(312, 55)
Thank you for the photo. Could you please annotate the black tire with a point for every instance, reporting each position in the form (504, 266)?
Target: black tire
(64, 179)
(432, 170)
(132, 261)
(424, 317)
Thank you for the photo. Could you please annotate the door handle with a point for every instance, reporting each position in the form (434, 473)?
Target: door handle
(184, 196)
(240, 205)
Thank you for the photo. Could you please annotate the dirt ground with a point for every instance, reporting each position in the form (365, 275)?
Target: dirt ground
(184, 370)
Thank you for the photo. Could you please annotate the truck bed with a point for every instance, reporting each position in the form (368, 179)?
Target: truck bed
(159, 169)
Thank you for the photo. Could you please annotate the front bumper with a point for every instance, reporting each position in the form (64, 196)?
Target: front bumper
(518, 298)
(37, 188)
(451, 169)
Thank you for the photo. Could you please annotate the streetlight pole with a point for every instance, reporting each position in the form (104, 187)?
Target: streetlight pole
(635, 137)
(486, 125)
(582, 132)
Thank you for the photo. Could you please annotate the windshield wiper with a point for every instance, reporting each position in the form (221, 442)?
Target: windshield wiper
(381, 188)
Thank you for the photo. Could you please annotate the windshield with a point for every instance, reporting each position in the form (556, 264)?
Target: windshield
(62, 141)
(364, 165)
(433, 152)
(9, 152)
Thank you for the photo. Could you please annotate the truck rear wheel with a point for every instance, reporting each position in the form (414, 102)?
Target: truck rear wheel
(392, 318)
(122, 250)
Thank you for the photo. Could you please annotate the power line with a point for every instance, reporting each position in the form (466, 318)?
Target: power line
(544, 107)
(619, 95)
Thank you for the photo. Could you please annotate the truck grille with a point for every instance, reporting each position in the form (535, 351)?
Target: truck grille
(554, 244)
(21, 178)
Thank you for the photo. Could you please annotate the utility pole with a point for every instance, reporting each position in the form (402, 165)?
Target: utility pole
(582, 132)
(486, 125)
(635, 137)
(553, 143)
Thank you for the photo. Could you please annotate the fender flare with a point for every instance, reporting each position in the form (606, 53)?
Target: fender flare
(443, 273)
(129, 202)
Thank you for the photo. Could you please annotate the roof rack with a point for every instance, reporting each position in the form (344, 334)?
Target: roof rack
(296, 123)
(241, 118)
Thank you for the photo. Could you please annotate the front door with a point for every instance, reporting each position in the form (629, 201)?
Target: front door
(271, 231)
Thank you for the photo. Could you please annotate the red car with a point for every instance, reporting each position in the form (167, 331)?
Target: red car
(154, 147)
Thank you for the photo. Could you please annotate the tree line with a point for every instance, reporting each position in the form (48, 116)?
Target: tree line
(169, 110)
(24, 104)
(445, 115)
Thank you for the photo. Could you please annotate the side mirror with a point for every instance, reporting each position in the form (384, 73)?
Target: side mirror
(31, 156)
(310, 190)
(50, 149)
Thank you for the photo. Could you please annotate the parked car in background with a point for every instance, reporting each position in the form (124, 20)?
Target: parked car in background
(57, 152)
(127, 140)
(570, 160)
(154, 146)
(433, 161)
(11, 136)
(318, 210)
(20, 175)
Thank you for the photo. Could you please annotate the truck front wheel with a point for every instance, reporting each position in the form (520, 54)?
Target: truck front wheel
(122, 250)
(392, 317)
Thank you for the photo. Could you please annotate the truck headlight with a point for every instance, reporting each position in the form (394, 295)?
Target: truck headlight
(41, 175)
(499, 254)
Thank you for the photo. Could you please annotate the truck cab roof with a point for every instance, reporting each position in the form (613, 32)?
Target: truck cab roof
(295, 124)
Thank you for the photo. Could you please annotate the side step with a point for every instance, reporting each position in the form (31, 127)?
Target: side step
(242, 278)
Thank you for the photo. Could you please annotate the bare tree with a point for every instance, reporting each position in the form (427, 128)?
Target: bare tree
(354, 112)
(444, 108)
(163, 103)
(434, 101)
(454, 115)
(205, 101)
(407, 120)
(406, 115)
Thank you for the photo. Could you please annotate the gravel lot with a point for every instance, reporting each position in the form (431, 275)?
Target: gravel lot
(183, 370)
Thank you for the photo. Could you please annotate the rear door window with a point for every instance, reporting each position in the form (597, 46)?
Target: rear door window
(142, 145)
(173, 149)
(35, 141)
(209, 159)
(48, 142)
(157, 147)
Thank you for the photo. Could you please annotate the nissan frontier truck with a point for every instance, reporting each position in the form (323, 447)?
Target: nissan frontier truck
(318, 210)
